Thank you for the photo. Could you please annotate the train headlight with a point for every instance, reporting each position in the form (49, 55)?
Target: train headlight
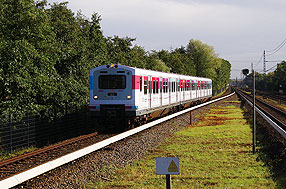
(128, 97)
(95, 97)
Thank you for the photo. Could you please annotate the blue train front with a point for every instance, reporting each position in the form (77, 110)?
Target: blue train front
(111, 92)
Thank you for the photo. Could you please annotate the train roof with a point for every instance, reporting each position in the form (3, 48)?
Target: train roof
(140, 70)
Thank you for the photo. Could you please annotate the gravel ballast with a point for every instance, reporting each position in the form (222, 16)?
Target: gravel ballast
(102, 163)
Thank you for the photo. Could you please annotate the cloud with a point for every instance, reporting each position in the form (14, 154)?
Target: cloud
(238, 30)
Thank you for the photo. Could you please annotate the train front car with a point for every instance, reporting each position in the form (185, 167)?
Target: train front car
(111, 94)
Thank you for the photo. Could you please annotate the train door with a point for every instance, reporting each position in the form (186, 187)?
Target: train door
(202, 89)
(170, 90)
(206, 88)
(146, 102)
(181, 90)
(155, 92)
(160, 91)
(178, 90)
(150, 91)
(197, 89)
(184, 89)
(192, 89)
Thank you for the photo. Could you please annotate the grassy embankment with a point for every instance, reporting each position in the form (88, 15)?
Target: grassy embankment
(217, 152)
(7, 155)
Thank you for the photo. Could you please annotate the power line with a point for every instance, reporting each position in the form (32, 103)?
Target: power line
(259, 60)
(271, 68)
(277, 46)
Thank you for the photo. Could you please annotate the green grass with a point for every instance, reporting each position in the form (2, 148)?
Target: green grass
(7, 155)
(215, 153)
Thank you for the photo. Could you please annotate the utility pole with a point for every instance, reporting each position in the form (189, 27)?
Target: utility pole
(253, 116)
(264, 63)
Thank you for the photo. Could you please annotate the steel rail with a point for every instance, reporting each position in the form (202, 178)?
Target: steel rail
(43, 150)
(273, 107)
(278, 122)
(36, 171)
(267, 118)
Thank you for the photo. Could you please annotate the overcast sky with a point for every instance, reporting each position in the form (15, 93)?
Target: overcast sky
(239, 30)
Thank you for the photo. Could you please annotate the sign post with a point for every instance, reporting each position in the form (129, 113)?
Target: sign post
(167, 166)
(191, 118)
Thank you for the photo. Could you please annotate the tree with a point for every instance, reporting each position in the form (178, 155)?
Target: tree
(26, 56)
(204, 58)
(222, 74)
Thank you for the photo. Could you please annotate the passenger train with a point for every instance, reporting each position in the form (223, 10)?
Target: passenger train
(137, 95)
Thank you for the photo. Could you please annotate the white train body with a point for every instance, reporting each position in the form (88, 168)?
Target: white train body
(117, 90)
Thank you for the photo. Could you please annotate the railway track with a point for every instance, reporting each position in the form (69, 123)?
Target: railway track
(50, 155)
(280, 99)
(27, 161)
(275, 113)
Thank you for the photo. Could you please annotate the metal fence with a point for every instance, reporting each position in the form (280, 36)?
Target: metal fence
(34, 130)
(218, 91)
(17, 134)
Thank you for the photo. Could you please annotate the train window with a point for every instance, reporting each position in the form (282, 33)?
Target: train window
(140, 84)
(174, 85)
(165, 87)
(178, 86)
(157, 86)
(112, 81)
(185, 85)
(154, 88)
(145, 86)
(161, 87)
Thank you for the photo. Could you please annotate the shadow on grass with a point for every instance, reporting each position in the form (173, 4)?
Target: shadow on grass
(271, 147)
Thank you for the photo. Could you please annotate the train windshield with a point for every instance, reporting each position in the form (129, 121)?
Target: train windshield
(112, 82)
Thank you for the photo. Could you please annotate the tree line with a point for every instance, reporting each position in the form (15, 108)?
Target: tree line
(46, 52)
(272, 82)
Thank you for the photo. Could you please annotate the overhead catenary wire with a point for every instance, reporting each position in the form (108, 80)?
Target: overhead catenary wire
(277, 48)
(271, 68)
(259, 60)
